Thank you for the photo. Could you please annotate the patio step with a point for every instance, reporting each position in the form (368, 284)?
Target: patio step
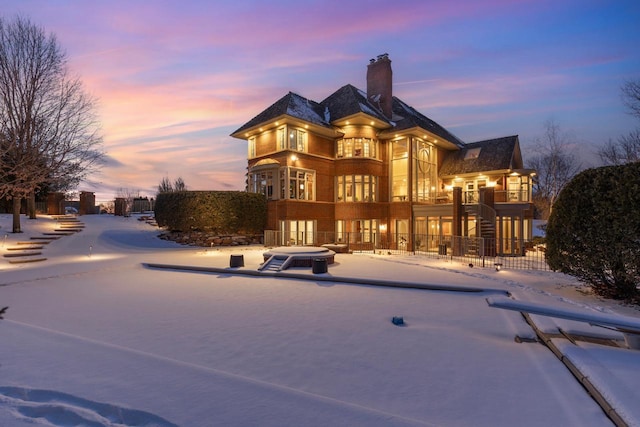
(21, 254)
(26, 260)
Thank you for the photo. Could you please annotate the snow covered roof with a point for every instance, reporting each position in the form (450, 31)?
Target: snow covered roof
(483, 156)
(349, 100)
(292, 105)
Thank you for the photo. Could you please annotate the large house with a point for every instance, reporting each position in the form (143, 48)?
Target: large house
(368, 170)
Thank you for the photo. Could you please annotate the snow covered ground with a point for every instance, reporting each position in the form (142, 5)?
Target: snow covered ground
(95, 337)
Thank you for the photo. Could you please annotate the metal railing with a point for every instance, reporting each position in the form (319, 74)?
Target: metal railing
(470, 197)
(484, 252)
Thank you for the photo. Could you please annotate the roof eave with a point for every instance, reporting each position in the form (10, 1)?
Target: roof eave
(421, 133)
(285, 119)
(513, 172)
(361, 118)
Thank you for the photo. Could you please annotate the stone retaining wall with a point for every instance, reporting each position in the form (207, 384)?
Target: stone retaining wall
(200, 238)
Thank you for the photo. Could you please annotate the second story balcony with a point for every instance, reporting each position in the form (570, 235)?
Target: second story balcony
(473, 197)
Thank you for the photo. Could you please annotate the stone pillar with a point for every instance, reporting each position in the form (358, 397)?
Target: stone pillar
(87, 203)
(120, 207)
(55, 204)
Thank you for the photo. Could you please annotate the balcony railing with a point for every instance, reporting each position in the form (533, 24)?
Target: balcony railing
(473, 197)
(509, 196)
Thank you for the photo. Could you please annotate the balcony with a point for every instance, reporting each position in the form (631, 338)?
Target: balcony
(472, 197)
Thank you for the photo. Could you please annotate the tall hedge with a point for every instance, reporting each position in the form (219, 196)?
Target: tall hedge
(222, 212)
(594, 231)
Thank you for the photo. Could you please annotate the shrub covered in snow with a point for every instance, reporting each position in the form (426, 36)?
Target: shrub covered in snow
(225, 212)
(594, 230)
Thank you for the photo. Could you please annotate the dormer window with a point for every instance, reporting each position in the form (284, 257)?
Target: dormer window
(472, 153)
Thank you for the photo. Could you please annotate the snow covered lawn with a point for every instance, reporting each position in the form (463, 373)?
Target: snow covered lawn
(94, 337)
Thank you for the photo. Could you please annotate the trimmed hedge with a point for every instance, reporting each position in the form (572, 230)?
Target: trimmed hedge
(222, 212)
(594, 231)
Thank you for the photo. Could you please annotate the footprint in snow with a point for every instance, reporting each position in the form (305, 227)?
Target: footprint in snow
(60, 409)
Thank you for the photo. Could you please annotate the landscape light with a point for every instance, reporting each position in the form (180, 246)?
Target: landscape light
(498, 266)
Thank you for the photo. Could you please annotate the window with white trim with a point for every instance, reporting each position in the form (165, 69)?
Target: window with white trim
(357, 188)
(297, 184)
(297, 140)
(252, 147)
(356, 147)
(263, 182)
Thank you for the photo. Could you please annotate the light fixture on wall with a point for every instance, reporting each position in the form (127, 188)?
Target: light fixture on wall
(383, 228)
(293, 157)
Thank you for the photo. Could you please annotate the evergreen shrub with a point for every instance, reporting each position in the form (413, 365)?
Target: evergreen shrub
(593, 232)
(222, 212)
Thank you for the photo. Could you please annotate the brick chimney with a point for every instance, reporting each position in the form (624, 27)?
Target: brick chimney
(379, 80)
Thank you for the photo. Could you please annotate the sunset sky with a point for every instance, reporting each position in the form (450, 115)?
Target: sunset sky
(175, 78)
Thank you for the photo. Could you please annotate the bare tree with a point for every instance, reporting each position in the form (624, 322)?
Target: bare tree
(631, 97)
(48, 130)
(554, 164)
(128, 196)
(179, 185)
(627, 148)
(167, 187)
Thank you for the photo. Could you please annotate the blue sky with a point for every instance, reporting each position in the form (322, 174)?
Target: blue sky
(175, 78)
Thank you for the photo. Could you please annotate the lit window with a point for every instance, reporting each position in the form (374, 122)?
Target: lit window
(356, 188)
(297, 140)
(262, 182)
(356, 147)
(297, 184)
(252, 147)
(281, 140)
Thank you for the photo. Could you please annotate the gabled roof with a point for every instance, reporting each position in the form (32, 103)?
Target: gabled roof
(346, 102)
(293, 105)
(483, 156)
(349, 100)
(407, 117)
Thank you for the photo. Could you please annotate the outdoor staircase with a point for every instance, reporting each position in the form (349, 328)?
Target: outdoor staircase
(31, 250)
(486, 217)
(485, 230)
(275, 263)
